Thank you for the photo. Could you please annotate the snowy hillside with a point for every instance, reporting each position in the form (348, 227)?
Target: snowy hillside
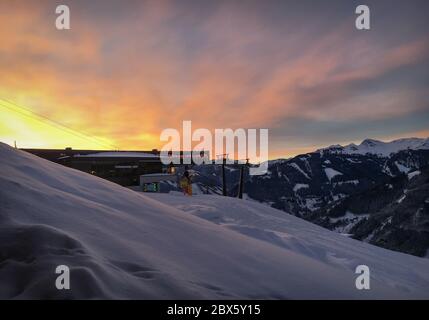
(123, 244)
(286, 231)
(376, 147)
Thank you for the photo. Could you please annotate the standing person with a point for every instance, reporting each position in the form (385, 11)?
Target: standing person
(186, 183)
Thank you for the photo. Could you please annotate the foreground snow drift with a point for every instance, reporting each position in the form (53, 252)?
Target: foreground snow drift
(256, 220)
(122, 244)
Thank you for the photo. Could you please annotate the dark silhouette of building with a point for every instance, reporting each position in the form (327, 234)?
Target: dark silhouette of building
(122, 167)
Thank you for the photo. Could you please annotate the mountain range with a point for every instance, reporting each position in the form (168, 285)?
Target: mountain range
(377, 192)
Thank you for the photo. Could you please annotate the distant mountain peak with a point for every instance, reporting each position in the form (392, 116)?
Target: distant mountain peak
(377, 147)
(371, 142)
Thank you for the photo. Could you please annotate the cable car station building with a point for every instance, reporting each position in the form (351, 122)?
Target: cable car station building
(127, 168)
(121, 167)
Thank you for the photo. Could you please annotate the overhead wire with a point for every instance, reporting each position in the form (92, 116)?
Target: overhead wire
(5, 103)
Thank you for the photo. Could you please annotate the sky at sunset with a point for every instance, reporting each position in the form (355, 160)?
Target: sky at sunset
(129, 69)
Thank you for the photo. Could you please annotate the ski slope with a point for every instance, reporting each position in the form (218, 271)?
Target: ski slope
(121, 244)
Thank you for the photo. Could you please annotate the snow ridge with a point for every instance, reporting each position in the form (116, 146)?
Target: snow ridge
(380, 148)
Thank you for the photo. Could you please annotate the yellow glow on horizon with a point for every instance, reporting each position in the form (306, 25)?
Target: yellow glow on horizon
(30, 132)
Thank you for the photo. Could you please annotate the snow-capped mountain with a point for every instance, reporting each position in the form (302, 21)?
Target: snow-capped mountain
(371, 146)
(344, 189)
(122, 244)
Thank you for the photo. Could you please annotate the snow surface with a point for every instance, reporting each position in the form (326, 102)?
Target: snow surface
(294, 165)
(299, 186)
(293, 234)
(312, 203)
(330, 173)
(124, 244)
(402, 198)
(402, 168)
(413, 174)
(380, 148)
(340, 183)
(351, 220)
(349, 215)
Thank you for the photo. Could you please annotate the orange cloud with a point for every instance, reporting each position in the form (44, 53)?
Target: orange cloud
(159, 64)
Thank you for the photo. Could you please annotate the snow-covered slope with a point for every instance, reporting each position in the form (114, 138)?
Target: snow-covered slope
(261, 222)
(380, 148)
(122, 244)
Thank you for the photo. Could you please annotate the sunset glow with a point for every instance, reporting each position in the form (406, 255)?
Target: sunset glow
(127, 70)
